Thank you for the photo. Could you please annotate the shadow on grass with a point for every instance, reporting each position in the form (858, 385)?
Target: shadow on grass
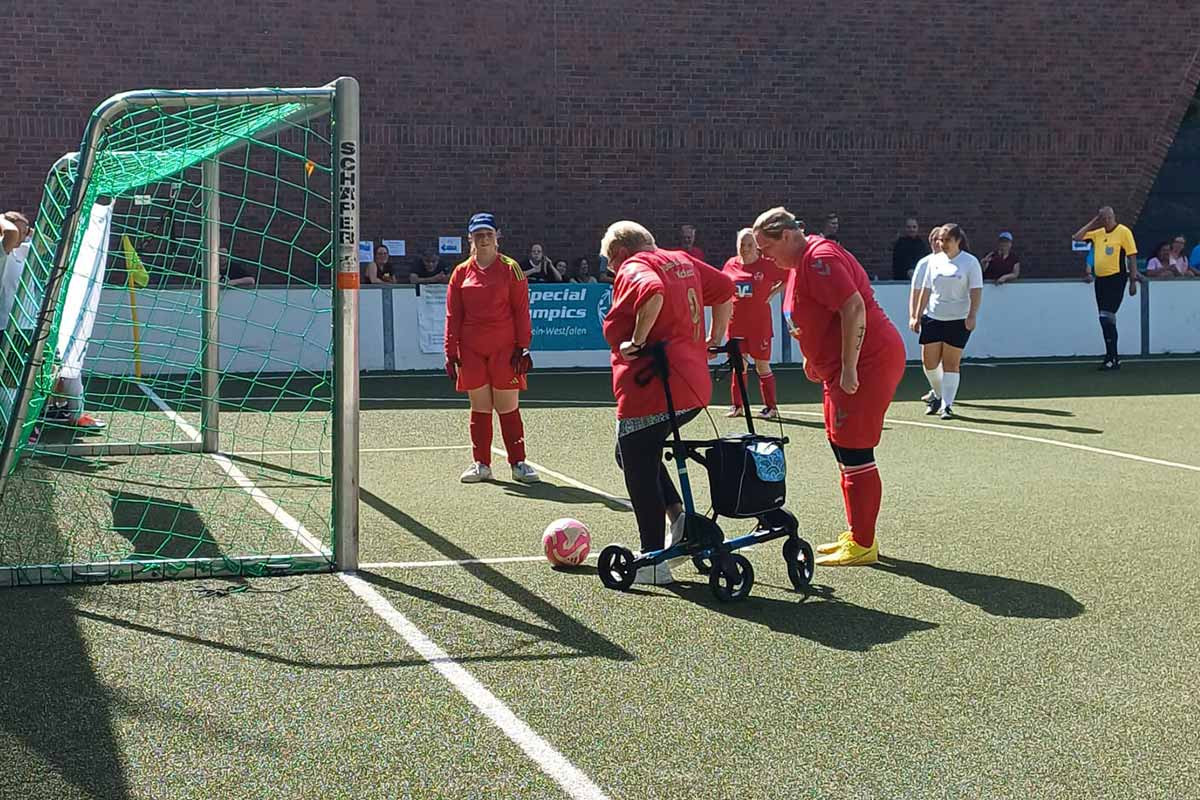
(823, 619)
(1049, 412)
(58, 715)
(563, 494)
(1040, 426)
(559, 627)
(993, 594)
(161, 528)
(274, 658)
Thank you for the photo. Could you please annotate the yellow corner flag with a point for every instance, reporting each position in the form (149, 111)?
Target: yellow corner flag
(136, 277)
(135, 274)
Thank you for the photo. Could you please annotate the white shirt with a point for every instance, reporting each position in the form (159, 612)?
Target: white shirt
(918, 278)
(950, 281)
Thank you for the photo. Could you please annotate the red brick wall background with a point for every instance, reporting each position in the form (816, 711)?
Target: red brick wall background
(563, 115)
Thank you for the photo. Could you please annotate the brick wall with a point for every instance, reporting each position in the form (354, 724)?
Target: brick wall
(562, 116)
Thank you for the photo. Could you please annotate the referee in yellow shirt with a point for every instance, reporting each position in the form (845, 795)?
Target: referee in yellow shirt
(1115, 255)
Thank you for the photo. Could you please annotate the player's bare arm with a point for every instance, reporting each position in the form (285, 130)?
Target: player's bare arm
(720, 321)
(976, 299)
(853, 314)
(1090, 225)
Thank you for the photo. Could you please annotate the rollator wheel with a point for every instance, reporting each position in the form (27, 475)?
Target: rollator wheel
(616, 567)
(729, 586)
(798, 556)
(702, 565)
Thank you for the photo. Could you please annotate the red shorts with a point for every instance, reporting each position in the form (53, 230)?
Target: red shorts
(855, 421)
(488, 369)
(756, 347)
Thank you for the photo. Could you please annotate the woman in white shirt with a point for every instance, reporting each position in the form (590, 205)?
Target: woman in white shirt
(946, 311)
(934, 376)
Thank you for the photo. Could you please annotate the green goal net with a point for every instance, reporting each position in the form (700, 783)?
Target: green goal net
(178, 365)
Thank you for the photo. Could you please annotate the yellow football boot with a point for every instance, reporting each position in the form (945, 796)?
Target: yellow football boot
(833, 547)
(851, 554)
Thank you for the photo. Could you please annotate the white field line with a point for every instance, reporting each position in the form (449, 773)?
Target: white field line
(951, 426)
(460, 563)
(914, 364)
(540, 751)
(569, 480)
(249, 453)
(289, 523)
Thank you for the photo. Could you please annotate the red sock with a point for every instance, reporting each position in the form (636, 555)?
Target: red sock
(481, 436)
(734, 394)
(513, 431)
(863, 492)
(766, 384)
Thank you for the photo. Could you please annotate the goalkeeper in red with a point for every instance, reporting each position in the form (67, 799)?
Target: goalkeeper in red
(756, 280)
(488, 331)
(854, 351)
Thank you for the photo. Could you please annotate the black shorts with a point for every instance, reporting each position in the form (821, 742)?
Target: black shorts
(953, 332)
(1110, 291)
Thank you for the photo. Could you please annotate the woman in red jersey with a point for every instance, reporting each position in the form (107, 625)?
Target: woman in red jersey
(756, 280)
(658, 296)
(850, 347)
(488, 331)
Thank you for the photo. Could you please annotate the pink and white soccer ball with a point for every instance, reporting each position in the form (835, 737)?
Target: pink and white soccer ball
(566, 542)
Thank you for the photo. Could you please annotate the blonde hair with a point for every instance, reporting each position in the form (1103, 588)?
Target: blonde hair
(741, 237)
(628, 234)
(774, 221)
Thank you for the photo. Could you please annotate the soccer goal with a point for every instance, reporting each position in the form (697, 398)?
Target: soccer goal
(179, 363)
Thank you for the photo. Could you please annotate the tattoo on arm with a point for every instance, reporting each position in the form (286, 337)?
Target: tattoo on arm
(862, 331)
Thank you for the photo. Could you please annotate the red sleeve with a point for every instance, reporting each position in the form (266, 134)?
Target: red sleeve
(518, 299)
(716, 286)
(829, 279)
(454, 314)
(730, 264)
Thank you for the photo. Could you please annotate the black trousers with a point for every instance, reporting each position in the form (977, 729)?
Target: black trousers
(640, 457)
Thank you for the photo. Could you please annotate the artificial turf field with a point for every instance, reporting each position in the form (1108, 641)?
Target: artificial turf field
(1031, 630)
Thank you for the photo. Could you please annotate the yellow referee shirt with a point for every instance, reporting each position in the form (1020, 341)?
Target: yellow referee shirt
(1107, 247)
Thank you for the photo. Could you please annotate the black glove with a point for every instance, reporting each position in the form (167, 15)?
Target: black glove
(522, 362)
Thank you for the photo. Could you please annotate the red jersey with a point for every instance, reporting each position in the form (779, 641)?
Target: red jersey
(752, 285)
(687, 286)
(825, 279)
(487, 309)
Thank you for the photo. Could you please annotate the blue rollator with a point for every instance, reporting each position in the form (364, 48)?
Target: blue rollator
(746, 474)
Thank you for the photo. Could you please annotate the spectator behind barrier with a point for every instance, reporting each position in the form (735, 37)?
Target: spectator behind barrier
(581, 271)
(1169, 261)
(908, 249)
(1002, 265)
(378, 269)
(539, 268)
(233, 272)
(428, 269)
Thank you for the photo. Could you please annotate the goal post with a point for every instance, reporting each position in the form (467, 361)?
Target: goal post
(173, 189)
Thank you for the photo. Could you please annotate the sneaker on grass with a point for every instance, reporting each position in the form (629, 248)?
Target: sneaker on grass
(476, 473)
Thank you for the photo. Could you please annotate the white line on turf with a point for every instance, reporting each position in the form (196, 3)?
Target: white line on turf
(249, 453)
(1021, 437)
(553, 763)
(915, 364)
(540, 751)
(290, 523)
(568, 479)
(451, 563)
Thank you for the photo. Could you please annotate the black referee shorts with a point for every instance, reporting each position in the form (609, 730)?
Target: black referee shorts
(952, 332)
(1110, 291)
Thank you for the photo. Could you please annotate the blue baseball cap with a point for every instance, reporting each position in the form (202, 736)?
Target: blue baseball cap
(1006, 235)
(481, 222)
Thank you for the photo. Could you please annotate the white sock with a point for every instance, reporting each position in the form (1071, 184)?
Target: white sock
(950, 384)
(934, 376)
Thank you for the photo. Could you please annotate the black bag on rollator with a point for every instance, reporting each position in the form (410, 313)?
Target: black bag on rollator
(746, 475)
